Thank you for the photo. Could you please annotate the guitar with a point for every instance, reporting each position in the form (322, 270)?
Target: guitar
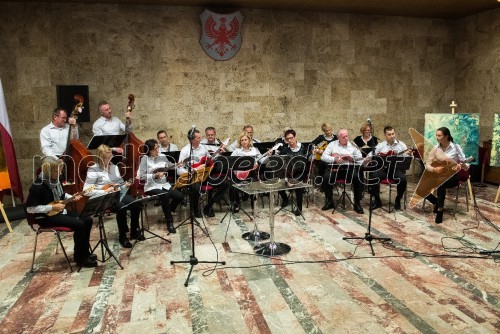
(68, 200)
(320, 146)
(223, 144)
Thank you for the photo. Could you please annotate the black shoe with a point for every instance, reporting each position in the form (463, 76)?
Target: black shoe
(397, 204)
(124, 242)
(236, 208)
(297, 212)
(170, 226)
(358, 208)
(328, 205)
(377, 203)
(137, 236)
(93, 257)
(197, 214)
(284, 203)
(87, 263)
(439, 217)
(208, 211)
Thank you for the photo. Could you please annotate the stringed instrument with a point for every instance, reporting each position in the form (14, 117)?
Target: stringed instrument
(243, 174)
(222, 144)
(128, 122)
(450, 166)
(320, 146)
(68, 200)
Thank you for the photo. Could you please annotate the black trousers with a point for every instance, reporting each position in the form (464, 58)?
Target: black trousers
(81, 231)
(168, 206)
(349, 173)
(395, 174)
(441, 191)
(121, 215)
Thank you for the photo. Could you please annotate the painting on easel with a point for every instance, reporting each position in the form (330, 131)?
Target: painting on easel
(495, 144)
(463, 127)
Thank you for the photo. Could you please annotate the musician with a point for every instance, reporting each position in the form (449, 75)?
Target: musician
(108, 125)
(106, 178)
(282, 139)
(249, 130)
(342, 152)
(156, 181)
(321, 142)
(244, 148)
(390, 146)
(445, 150)
(218, 182)
(47, 189)
(366, 141)
(210, 141)
(54, 136)
(164, 141)
(294, 148)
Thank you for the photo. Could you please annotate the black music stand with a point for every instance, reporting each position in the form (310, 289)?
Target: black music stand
(111, 141)
(143, 229)
(368, 236)
(97, 207)
(265, 146)
(193, 177)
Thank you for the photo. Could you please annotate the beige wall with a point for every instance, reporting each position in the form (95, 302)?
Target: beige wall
(294, 69)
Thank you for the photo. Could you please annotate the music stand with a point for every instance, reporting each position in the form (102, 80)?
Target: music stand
(368, 236)
(174, 155)
(188, 179)
(265, 146)
(111, 141)
(97, 207)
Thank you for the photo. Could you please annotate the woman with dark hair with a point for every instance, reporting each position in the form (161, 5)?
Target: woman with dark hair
(446, 153)
(152, 170)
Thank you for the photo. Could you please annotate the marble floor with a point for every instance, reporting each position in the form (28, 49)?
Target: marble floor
(429, 279)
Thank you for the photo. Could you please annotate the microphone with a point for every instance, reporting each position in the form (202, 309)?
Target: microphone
(369, 120)
(190, 133)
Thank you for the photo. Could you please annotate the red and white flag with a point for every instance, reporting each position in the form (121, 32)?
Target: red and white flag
(9, 176)
(221, 34)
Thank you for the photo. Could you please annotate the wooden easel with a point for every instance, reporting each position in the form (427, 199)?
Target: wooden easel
(498, 194)
(5, 217)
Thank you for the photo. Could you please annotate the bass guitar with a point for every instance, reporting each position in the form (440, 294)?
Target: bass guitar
(68, 200)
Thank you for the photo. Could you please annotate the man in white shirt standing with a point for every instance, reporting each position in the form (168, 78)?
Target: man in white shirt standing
(54, 136)
(108, 125)
(344, 156)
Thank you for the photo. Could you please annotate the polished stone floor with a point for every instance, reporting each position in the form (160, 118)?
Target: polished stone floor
(429, 279)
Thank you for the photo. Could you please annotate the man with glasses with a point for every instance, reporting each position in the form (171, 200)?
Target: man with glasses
(54, 136)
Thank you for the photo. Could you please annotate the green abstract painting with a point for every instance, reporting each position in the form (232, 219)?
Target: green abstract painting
(495, 145)
(464, 129)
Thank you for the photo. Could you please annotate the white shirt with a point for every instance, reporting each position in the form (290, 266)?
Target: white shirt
(147, 166)
(335, 148)
(198, 153)
(170, 148)
(108, 127)
(241, 152)
(453, 152)
(99, 178)
(54, 140)
(384, 147)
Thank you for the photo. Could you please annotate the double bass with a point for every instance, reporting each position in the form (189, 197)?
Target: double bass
(132, 150)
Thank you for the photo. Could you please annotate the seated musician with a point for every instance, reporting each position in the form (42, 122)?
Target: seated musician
(211, 142)
(366, 141)
(294, 148)
(54, 136)
(199, 158)
(249, 130)
(282, 139)
(390, 146)
(321, 142)
(344, 156)
(108, 125)
(106, 178)
(152, 170)
(244, 148)
(164, 141)
(47, 189)
(436, 164)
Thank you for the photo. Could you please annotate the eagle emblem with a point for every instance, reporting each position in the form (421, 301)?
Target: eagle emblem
(221, 34)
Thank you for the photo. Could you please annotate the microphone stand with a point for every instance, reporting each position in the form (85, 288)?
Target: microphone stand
(193, 260)
(368, 235)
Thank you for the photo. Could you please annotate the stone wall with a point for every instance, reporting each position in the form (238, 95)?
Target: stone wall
(294, 69)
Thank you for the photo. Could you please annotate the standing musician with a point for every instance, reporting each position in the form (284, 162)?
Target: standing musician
(201, 156)
(438, 157)
(366, 141)
(244, 148)
(294, 148)
(164, 141)
(342, 152)
(390, 147)
(106, 178)
(321, 142)
(54, 136)
(152, 169)
(46, 190)
(107, 124)
(210, 141)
